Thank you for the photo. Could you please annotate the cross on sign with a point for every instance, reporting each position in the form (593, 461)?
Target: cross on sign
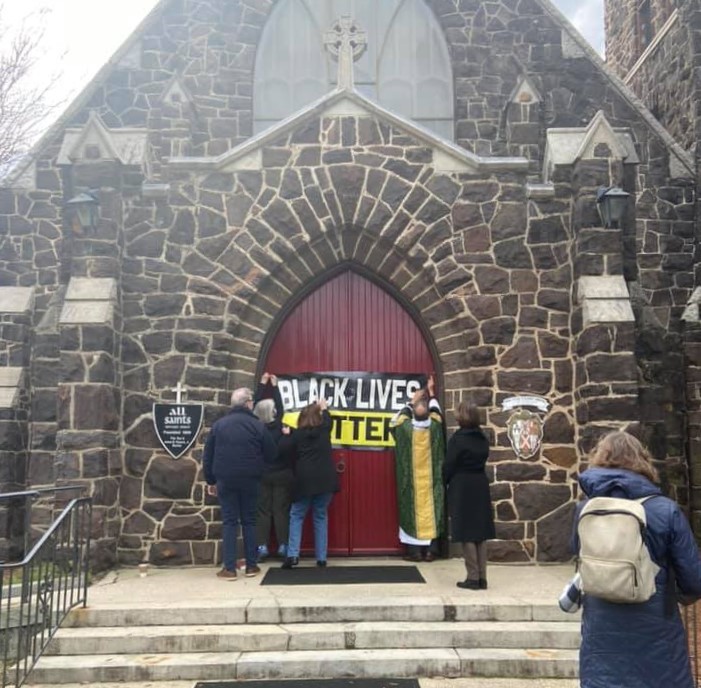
(346, 42)
(179, 391)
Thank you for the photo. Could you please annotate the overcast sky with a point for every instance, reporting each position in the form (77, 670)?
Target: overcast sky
(82, 34)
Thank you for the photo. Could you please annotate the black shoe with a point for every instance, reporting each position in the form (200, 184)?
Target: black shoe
(289, 563)
(412, 557)
(483, 583)
(468, 584)
(321, 564)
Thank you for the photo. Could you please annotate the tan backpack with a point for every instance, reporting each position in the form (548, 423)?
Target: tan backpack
(614, 560)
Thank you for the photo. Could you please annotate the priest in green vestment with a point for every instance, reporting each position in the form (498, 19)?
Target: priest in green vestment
(419, 436)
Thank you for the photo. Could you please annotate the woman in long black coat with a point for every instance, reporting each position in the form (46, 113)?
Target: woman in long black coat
(469, 501)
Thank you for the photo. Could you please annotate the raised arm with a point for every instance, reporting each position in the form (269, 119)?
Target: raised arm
(260, 390)
(326, 420)
(434, 408)
(277, 398)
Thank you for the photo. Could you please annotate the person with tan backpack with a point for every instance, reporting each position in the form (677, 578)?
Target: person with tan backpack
(636, 552)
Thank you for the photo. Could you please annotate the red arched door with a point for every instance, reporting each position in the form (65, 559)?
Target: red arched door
(350, 324)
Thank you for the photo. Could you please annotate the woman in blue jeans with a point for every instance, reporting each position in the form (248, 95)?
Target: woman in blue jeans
(315, 481)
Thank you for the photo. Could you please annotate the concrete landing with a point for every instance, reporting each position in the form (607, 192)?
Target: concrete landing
(176, 586)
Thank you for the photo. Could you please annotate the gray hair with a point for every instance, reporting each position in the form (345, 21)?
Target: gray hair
(265, 410)
(240, 397)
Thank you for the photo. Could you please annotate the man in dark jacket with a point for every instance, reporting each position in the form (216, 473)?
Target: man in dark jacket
(237, 453)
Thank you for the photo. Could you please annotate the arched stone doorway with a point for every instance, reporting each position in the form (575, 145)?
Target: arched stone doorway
(349, 323)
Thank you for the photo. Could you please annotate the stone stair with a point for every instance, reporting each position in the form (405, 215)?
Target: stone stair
(268, 638)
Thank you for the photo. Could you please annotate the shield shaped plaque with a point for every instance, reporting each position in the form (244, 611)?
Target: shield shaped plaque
(177, 426)
(525, 430)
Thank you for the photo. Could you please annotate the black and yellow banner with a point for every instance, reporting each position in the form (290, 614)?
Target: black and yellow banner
(361, 404)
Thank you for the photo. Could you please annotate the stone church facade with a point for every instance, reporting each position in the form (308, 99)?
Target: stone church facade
(653, 47)
(226, 194)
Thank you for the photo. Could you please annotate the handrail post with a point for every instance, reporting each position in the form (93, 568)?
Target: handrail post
(28, 503)
(86, 555)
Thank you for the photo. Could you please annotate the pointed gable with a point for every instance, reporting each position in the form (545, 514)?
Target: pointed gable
(598, 140)
(96, 142)
(176, 92)
(525, 92)
(447, 157)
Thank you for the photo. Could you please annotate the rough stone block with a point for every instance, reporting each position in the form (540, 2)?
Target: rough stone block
(96, 407)
(602, 287)
(171, 479)
(10, 377)
(85, 312)
(607, 311)
(8, 397)
(91, 289)
(15, 299)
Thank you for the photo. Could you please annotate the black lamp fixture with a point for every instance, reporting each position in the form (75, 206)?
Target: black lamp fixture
(612, 202)
(82, 212)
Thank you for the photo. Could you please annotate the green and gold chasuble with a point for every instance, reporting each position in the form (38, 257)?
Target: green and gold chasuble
(419, 453)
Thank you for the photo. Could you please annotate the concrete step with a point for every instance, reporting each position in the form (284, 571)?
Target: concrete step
(417, 662)
(321, 636)
(271, 611)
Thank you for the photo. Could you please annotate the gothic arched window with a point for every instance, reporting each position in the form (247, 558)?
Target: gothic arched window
(289, 72)
(406, 67)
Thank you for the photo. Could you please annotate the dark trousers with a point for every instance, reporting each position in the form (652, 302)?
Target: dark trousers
(475, 554)
(238, 506)
(274, 506)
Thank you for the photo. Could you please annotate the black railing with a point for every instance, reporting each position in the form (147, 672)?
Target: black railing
(37, 592)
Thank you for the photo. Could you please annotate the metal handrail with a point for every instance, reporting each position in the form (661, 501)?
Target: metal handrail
(39, 491)
(62, 517)
(28, 496)
(54, 580)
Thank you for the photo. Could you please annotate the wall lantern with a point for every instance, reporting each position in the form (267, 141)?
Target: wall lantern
(82, 212)
(612, 202)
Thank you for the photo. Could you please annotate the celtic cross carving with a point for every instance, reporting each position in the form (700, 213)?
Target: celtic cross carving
(346, 42)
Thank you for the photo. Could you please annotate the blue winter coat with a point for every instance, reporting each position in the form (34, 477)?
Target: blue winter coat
(641, 645)
(238, 447)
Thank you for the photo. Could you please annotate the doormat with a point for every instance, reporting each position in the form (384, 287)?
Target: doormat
(319, 683)
(342, 575)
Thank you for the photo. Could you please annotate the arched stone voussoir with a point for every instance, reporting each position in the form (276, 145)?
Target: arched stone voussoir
(348, 182)
(411, 281)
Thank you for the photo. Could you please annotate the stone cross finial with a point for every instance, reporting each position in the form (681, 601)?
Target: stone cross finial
(346, 42)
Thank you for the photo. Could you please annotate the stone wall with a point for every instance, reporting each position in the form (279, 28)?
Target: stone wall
(665, 81)
(692, 351)
(15, 348)
(630, 30)
(190, 264)
(622, 38)
(358, 191)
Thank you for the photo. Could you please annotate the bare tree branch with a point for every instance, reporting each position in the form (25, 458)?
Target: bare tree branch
(24, 97)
